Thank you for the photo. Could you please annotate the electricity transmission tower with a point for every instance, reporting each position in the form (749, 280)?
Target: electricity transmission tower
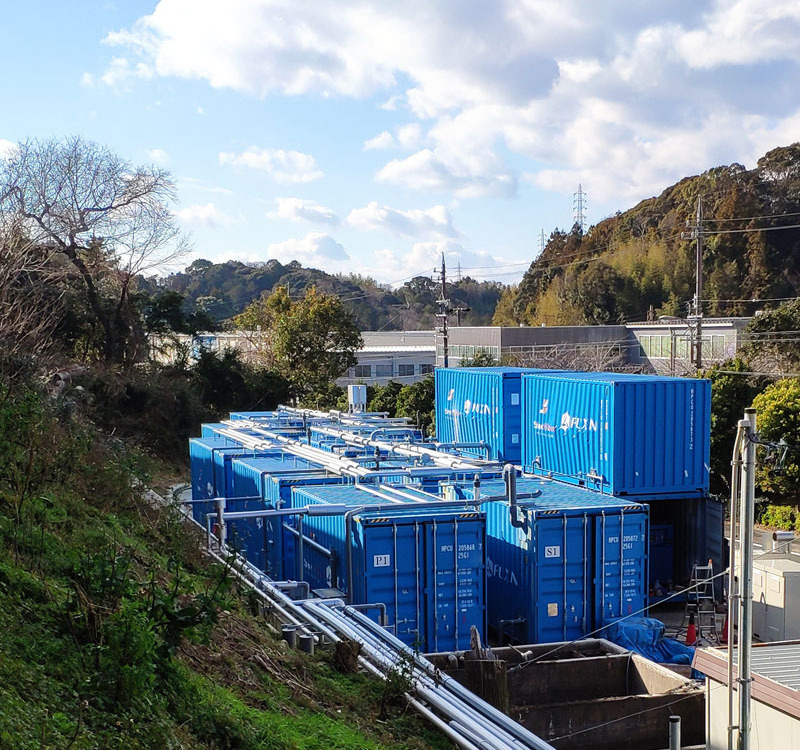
(579, 205)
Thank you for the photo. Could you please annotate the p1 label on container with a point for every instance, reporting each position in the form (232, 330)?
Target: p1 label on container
(552, 609)
(381, 561)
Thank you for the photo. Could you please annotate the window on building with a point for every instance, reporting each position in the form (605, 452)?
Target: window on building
(405, 371)
(718, 347)
(383, 371)
(425, 369)
(362, 371)
(655, 346)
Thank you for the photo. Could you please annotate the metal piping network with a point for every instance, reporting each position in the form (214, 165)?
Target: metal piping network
(469, 721)
(472, 722)
(409, 450)
(349, 467)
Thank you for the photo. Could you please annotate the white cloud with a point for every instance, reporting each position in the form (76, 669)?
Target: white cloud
(629, 95)
(120, 73)
(316, 249)
(297, 209)
(424, 257)
(202, 186)
(427, 170)
(158, 156)
(207, 215)
(381, 141)
(200, 111)
(431, 222)
(87, 80)
(6, 148)
(282, 166)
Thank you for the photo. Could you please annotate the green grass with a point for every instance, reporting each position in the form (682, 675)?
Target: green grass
(116, 633)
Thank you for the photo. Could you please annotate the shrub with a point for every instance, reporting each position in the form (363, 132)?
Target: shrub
(779, 517)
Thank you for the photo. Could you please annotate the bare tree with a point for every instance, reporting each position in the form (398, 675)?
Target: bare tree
(110, 220)
(30, 295)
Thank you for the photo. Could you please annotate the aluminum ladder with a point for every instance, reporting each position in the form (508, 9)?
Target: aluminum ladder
(701, 602)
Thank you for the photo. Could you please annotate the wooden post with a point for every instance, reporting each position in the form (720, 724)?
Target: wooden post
(487, 679)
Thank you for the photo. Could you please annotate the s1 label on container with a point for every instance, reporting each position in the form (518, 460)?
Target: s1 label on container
(554, 551)
(515, 399)
(552, 609)
(381, 561)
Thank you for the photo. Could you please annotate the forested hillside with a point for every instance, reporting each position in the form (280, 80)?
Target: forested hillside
(225, 289)
(645, 256)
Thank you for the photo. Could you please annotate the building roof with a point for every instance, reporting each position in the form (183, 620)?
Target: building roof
(399, 348)
(775, 668)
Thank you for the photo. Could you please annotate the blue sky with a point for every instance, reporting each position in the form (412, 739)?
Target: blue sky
(370, 136)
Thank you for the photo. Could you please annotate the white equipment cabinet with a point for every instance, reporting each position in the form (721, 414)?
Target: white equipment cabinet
(776, 597)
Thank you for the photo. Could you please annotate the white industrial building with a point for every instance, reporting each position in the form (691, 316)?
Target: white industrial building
(775, 707)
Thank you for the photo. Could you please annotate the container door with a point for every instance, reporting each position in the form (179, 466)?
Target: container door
(621, 565)
(393, 572)
(562, 576)
(455, 581)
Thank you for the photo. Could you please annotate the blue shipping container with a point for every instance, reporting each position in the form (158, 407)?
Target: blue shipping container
(476, 404)
(579, 561)
(426, 565)
(631, 435)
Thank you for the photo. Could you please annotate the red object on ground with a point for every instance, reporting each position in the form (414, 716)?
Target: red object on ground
(724, 638)
(691, 632)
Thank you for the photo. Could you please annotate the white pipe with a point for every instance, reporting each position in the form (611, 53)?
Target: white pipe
(736, 464)
(407, 449)
(746, 578)
(377, 646)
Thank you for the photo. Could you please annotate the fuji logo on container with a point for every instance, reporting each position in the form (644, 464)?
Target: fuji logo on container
(580, 424)
(476, 408)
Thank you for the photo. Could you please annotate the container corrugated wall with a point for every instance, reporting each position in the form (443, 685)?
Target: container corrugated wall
(580, 561)
(426, 565)
(622, 435)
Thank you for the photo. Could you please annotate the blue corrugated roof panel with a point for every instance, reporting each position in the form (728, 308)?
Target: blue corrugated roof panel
(249, 474)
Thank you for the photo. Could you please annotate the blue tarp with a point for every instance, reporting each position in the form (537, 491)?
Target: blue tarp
(645, 636)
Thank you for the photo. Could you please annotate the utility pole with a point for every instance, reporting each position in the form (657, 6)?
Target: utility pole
(698, 291)
(458, 271)
(444, 309)
(696, 310)
(541, 242)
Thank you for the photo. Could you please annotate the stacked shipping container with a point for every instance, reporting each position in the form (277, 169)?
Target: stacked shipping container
(574, 561)
(641, 438)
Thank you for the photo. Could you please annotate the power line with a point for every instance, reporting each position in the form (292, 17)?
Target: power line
(755, 218)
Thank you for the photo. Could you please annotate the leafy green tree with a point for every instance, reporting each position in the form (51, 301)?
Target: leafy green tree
(384, 398)
(731, 394)
(165, 312)
(417, 402)
(314, 341)
(765, 348)
(778, 408)
(481, 358)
